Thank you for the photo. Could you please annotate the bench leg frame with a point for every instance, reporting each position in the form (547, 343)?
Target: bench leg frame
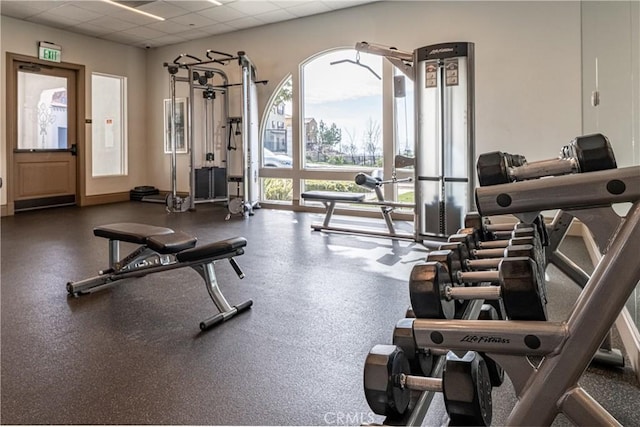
(330, 206)
(208, 273)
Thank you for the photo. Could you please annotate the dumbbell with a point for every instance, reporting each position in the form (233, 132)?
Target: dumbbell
(461, 259)
(467, 246)
(421, 359)
(587, 153)
(483, 227)
(433, 294)
(465, 385)
(495, 249)
(488, 231)
(473, 240)
(455, 263)
(456, 259)
(523, 234)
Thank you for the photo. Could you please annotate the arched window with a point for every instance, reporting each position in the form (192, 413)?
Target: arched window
(276, 136)
(342, 110)
(277, 143)
(319, 130)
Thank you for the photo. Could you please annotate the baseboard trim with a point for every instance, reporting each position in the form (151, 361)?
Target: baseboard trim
(4, 210)
(103, 199)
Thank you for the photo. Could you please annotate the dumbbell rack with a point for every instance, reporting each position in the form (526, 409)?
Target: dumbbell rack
(567, 347)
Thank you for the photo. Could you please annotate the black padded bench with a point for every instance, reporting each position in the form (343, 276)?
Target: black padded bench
(330, 198)
(162, 249)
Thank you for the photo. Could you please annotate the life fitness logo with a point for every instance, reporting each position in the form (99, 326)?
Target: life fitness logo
(441, 50)
(485, 339)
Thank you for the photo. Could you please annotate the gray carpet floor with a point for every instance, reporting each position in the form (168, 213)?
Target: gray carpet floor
(133, 353)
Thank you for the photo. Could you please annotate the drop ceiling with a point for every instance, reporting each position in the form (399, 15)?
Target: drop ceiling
(184, 19)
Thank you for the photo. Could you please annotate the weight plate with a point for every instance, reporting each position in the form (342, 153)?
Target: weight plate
(236, 206)
(467, 390)
(382, 367)
(521, 293)
(426, 291)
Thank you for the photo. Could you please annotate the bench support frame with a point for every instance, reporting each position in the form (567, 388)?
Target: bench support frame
(143, 261)
(386, 209)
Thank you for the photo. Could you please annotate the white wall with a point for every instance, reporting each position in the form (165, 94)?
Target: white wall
(528, 64)
(97, 56)
(611, 35)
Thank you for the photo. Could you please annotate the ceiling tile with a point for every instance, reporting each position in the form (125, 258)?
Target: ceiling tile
(275, 16)
(45, 5)
(165, 40)
(169, 26)
(95, 6)
(143, 33)
(15, 10)
(253, 7)
(90, 29)
(192, 34)
(193, 20)
(162, 9)
(196, 19)
(56, 22)
(129, 16)
(218, 29)
(74, 12)
(121, 37)
(113, 23)
(192, 6)
(246, 22)
(222, 14)
(289, 3)
(310, 8)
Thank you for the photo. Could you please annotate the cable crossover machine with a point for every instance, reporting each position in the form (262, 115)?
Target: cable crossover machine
(223, 149)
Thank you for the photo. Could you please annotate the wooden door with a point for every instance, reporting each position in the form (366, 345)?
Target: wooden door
(44, 140)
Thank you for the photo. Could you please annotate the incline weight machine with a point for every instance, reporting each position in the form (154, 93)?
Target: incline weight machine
(444, 128)
(209, 179)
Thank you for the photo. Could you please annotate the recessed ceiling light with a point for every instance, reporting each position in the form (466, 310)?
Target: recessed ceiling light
(134, 10)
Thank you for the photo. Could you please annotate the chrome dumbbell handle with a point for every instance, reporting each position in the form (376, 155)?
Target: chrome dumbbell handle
(552, 167)
(413, 382)
(473, 292)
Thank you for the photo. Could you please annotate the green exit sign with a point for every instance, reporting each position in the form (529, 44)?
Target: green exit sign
(49, 52)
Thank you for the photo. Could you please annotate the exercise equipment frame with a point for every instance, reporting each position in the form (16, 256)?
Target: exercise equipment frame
(444, 129)
(552, 387)
(161, 249)
(194, 67)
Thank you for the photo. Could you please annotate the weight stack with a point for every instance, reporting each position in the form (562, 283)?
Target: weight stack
(210, 183)
(220, 182)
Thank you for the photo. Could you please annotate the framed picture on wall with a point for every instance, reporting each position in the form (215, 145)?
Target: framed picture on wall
(180, 124)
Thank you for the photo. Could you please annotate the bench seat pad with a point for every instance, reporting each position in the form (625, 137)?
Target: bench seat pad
(213, 250)
(130, 232)
(171, 243)
(333, 195)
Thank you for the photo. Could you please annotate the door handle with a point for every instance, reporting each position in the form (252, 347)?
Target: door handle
(74, 149)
